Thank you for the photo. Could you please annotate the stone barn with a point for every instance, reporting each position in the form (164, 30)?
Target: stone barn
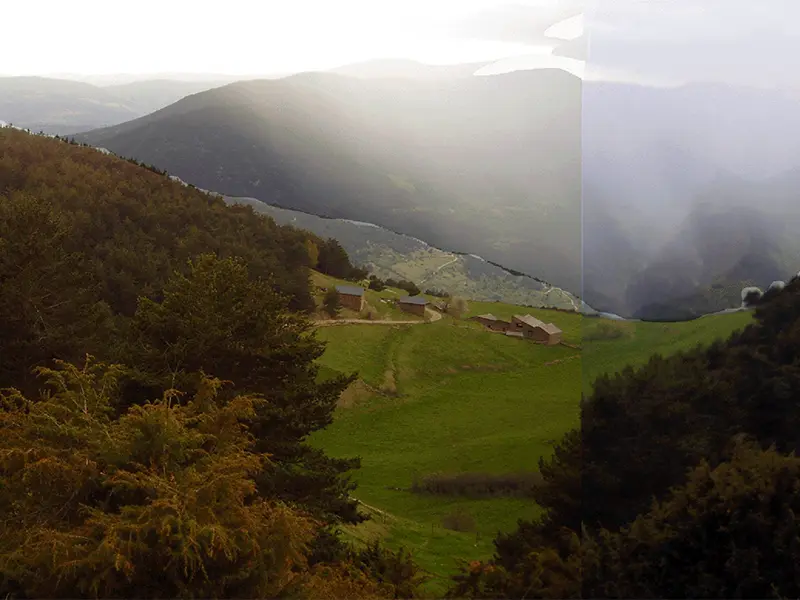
(492, 323)
(351, 297)
(531, 328)
(413, 304)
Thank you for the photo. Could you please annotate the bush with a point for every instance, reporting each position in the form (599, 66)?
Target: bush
(459, 520)
(606, 331)
(332, 302)
(478, 485)
(395, 570)
(411, 288)
(407, 286)
(109, 507)
(358, 274)
(456, 307)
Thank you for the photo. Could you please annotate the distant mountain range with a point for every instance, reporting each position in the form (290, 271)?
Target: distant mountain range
(73, 103)
(688, 193)
(61, 106)
(110, 79)
(483, 165)
(407, 69)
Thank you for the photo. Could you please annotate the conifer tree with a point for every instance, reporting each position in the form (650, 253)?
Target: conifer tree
(332, 302)
(728, 532)
(216, 319)
(161, 502)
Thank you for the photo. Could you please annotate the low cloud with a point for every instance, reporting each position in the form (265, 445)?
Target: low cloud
(725, 41)
(519, 22)
(737, 42)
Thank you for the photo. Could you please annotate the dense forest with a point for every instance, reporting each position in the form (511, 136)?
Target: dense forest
(158, 385)
(682, 481)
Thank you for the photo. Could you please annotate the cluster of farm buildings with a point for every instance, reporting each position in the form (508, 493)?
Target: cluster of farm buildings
(523, 326)
(352, 297)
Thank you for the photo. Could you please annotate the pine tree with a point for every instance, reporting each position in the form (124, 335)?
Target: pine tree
(332, 303)
(216, 319)
(161, 502)
(728, 532)
(47, 294)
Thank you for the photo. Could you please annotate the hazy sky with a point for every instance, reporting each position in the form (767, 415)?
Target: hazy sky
(249, 36)
(750, 42)
(667, 42)
(753, 42)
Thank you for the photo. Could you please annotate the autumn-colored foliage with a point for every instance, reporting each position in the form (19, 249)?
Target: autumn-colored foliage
(176, 462)
(160, 502)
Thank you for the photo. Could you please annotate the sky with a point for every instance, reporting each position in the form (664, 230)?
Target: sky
(661, 42)
(742, 42)
(248, 36)
(670, 42)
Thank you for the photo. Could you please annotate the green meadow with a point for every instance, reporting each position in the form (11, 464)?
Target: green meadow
(449, 397)
(379, 304)
(609, 346)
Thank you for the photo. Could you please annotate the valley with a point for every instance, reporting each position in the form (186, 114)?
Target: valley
(437, 154)
(393, 255)
(462, 163)
(449, 397)
(330, 376)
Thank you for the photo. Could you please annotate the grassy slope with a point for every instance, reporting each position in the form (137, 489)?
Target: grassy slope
(570, 323)
(469, 400)
(641, 340)
(374, 300)
(466, 400)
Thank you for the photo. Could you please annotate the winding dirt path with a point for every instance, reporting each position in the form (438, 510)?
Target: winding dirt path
(553, 288)
(454, 258)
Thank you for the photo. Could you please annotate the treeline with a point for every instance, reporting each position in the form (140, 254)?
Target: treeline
(753, 296)
(680, 483)
(159, 383)
(330, 258)
(478, 485)
(378, 284)
(326, 255)
(133, 161)
(437, 293)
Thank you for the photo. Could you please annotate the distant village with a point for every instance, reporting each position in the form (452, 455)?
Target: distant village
(520, 326)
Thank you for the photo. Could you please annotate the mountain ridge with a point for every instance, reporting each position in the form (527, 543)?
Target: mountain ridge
(445, 161)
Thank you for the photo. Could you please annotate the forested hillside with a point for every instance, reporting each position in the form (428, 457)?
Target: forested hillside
(160, 382)
(108, 232)
(157, 385)
(483, 165)
(709, 435)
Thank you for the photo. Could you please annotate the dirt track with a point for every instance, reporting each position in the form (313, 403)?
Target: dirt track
(434, 316)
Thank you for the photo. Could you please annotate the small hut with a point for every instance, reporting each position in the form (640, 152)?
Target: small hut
(351, 297)
(413, 304)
